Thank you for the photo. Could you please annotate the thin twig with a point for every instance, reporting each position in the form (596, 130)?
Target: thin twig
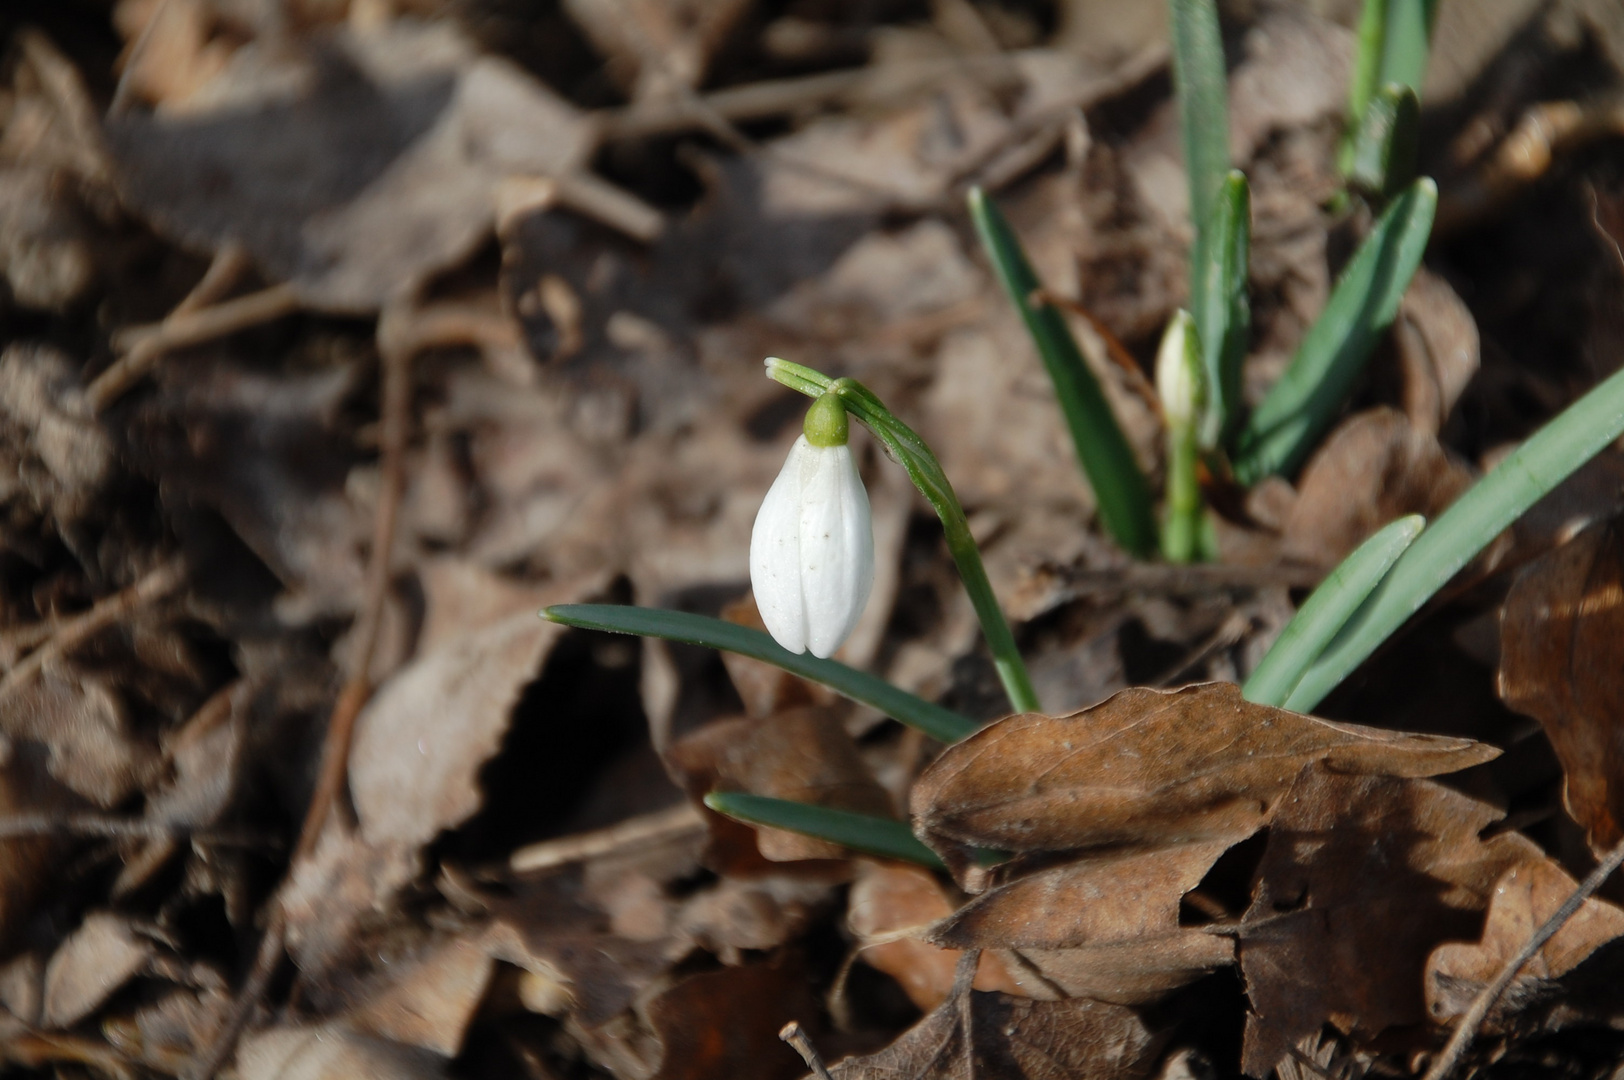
(72, 632)
(227, 268)
(645, 830)
(792, 1034)
(125, 828)
(1467, 1027)
(398, 342)
(143, 345)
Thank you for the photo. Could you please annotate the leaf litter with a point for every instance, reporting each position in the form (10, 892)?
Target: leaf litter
(593, 229)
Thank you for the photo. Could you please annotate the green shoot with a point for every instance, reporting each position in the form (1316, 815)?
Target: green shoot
(1181, 385)
(1548, 457)
(1395, 38)
(926, 473)
(860, 832)
(1107, 459)
(1387, 144)
(1202, 90)
(1303, 403)
(942, 724)
(1327, 610)
(1218, 269)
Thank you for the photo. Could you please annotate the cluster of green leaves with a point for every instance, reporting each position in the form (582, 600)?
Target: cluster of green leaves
(1379, 157)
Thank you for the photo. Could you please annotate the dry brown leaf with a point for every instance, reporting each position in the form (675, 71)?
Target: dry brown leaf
(1523, 899)
(726, 1023)
(1372, 469)
(397, 136)
(414, 771)
(331, 1052)
(1148, 767)
(802, 754)
(1105, 927)
(1362, 878)
(1438, 347)
(95, 961)
(54, 455)
(657, 48)
(428, 1000)
(84, 725)
(1562, 662)
(890, 908)
(975, 1034)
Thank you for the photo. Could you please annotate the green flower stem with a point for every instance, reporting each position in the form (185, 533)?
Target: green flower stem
(942, 724)
(1327, 610)
(860, 832)
(1120, 487)
(1202, 89)
(1181, 534)
(926, 472)
(1548, 457)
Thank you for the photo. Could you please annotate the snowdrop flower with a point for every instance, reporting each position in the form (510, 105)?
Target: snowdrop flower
(812, 549)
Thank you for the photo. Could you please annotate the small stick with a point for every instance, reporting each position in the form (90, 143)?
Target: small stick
(182, 329)
(792, 1034)
(226, 269)
(645, 830)
(1467, 1027)
(71, 632)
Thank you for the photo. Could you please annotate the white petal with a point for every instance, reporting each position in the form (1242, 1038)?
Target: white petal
(837, 547)
(775, 554)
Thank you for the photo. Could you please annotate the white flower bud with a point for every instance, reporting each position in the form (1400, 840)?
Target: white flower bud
(1178, 371)
(812, 549)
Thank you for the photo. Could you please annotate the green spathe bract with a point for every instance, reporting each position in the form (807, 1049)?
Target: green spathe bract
(825, 423)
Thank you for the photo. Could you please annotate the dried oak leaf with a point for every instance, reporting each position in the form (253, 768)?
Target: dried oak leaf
(1148, 767)
(994, 1036)
(1562, 662)
(1362, 877)
(1524, 898)
(430, 998)
(1105, 927)
(726, 1023)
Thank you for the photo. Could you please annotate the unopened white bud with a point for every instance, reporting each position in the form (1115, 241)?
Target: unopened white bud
(812, 548)
(1178, 371)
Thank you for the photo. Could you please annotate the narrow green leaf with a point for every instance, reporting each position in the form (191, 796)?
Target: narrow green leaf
(860, 832)
(1225, 316)
(925, 471)
(1301, 406)
(1407, 42)
(1327, 610)
(935, 721)
(1367, 71)
(1202, 89)
(1548, 457)
(1107, 459)
(1387, 144)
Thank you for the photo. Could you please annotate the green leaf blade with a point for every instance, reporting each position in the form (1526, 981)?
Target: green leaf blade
(1327, 610)
(942, 724)
(1202, 88)
(860, 832)
(1107, 459)
(1548, 457)
(1225, 316)
(1284, 429)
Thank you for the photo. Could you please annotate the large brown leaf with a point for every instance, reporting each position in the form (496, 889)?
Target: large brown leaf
(1105, 927)
(1362, 878)
(992, 1036)
(1562, 662)
(1148, 767)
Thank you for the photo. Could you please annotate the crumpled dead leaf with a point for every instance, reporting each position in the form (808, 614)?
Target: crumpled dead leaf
(1562, 662)
(975, 1034)
(96, 960)
(1438, 348)
(1362, 877)
(350, 164)
(331, 1052)
(51, 452)
(891, 908)
(1528, 894)
(414, 771)
(1374, 468)
(1148, 767)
